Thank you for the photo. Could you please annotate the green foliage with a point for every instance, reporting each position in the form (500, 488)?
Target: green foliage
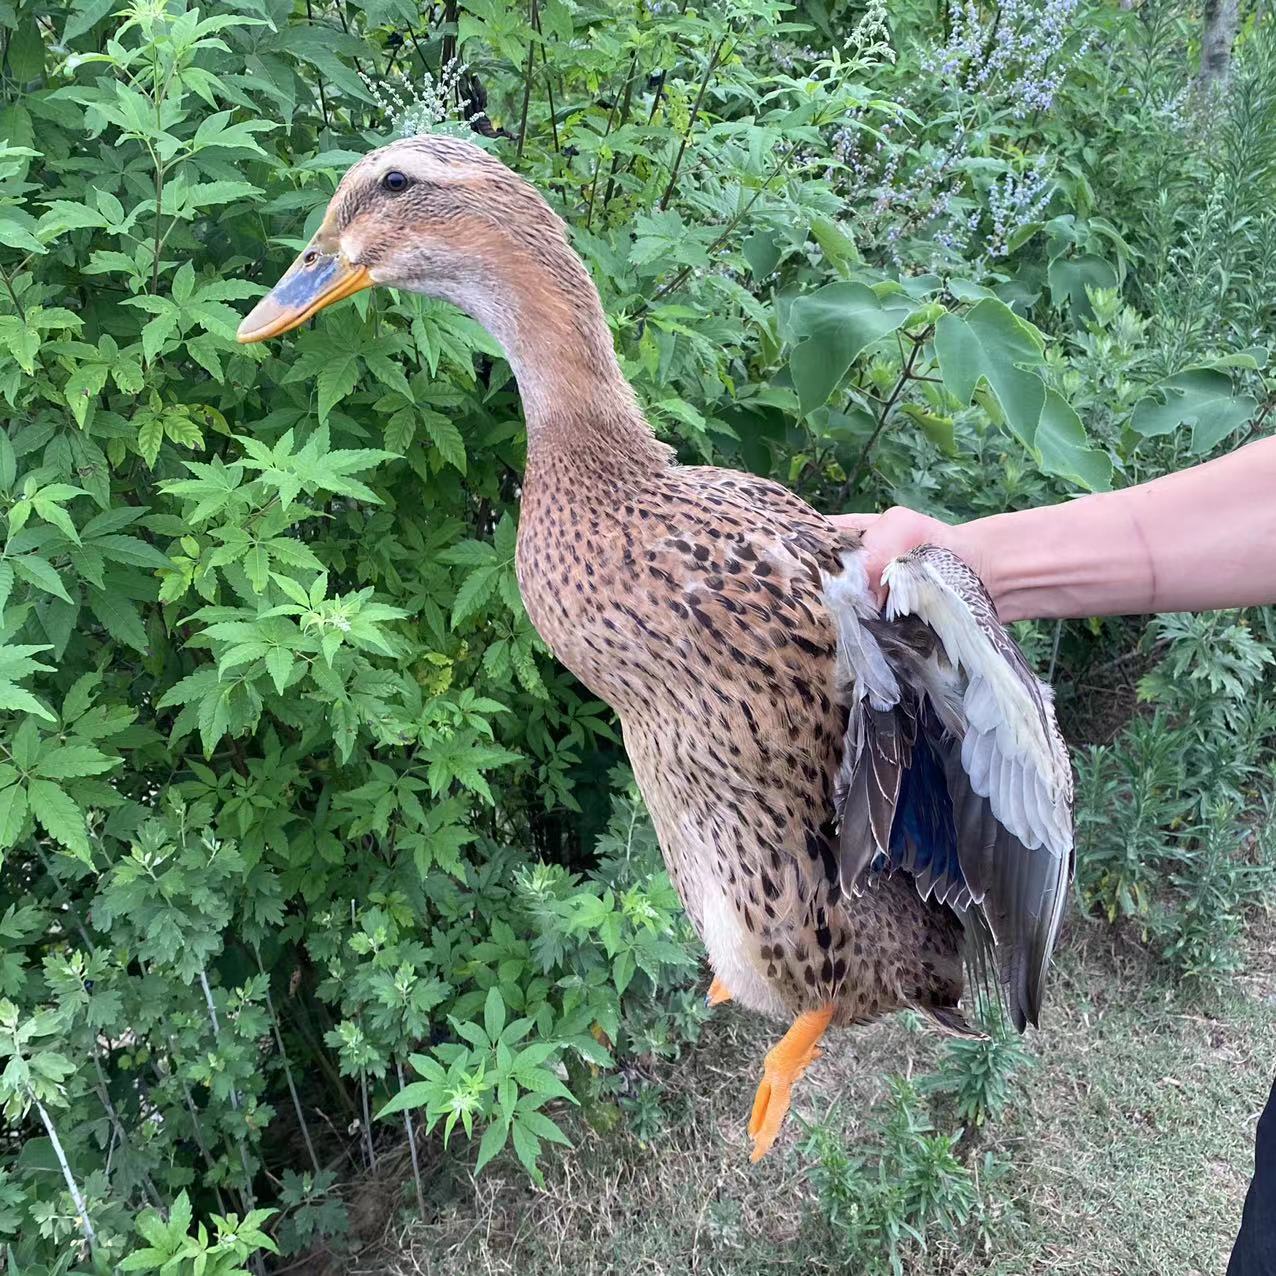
(883, 1202)
(977, 1071)
(296, 814)
(1176, 812)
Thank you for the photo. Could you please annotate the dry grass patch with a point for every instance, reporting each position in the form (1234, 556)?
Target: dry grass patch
(1129, 1144)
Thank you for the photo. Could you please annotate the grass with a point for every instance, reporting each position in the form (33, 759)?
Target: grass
(1130, 1139)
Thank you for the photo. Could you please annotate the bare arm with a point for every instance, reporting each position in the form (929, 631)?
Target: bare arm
(1201, 539)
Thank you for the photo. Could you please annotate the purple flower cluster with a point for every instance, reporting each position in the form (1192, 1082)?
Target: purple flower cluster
(1014, 200)
(1022, 50)
(787, 56)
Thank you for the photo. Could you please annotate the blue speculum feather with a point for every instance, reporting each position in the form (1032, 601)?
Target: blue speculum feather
(924, 835)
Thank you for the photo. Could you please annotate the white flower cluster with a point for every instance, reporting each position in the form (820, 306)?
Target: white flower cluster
(429, 105)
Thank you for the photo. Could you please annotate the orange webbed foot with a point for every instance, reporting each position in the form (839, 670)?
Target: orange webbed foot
(717, 994)
(785, 1063)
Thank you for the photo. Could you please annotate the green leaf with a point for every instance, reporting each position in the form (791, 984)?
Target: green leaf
(762, 251)
(279, 664)
(494, 1139)
(1063, 448)
(938, 429)
(13, 814)
(40, 574)
(446, 438)
(14, 697)
(61, 818)
(991, 345)
(493, 1013)
(1200, 397)
(71, 760)
(475, 590)
(119, 618)
(150, 435)
(832, 327)
(336, 379)
(1070, 277)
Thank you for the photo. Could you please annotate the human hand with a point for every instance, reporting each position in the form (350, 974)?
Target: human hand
(895, 532)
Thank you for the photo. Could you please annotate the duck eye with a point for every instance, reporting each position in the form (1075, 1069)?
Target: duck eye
(394, 181)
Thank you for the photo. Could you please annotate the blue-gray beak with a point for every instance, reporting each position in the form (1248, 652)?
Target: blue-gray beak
(319, 276)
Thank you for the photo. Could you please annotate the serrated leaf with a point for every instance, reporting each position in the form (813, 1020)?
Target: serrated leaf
(120, 618)
(279, 663)
(446, 438)
(71, 760)
(475, 590)
(14, 697)
(40, 574)
(494, 1139)
(13, 813)
(150, 435)
(60, 817)
(336, 379)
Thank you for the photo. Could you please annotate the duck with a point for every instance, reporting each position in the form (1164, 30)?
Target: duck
(863, 809)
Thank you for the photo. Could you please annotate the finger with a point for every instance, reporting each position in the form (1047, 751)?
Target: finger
(853, 522)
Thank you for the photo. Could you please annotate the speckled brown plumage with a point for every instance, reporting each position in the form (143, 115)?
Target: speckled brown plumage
(689, 599)
(849, 804)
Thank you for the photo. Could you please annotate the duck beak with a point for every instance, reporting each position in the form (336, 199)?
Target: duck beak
(319, 276)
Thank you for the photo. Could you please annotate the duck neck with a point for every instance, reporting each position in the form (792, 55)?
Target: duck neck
(580, 410)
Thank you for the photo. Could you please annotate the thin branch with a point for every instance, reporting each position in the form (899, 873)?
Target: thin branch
(904, 378)
(234, 1093)
(527, 79)
(598, 162)
(680, 278)
(416, 1165)
(624, 119)
(323, 99)
(13, 296)
(367, 1119)
(283, 1054)
(72, 1186)
(691, 123)
(103, 1094)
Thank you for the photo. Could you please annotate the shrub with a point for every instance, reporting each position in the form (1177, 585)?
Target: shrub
(296, 813)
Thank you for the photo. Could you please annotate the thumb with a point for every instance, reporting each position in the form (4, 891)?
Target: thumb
(853, 522)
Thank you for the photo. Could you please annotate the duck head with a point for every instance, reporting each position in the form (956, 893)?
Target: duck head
(442, 217)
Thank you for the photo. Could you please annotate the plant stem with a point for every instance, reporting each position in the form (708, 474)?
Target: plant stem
(527, 79)
(680, 278)
(13, 296)
(598, 163)
(691, 123)
(234, 1093)
(904, 378)
(72, 1186)
(624, 119)
(416, 1165)
(549, 87)
(323, 99)
(367, 1119)
(103, 1094)
(283, 1054)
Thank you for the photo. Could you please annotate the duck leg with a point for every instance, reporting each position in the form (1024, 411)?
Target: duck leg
(717, 994)
(785, 1063)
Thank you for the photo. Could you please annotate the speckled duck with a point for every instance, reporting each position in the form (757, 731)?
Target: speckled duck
(857, 807)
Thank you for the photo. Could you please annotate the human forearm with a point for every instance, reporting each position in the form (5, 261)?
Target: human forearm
(1193, 541)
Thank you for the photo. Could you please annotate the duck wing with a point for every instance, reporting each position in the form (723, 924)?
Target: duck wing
(958, 774)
